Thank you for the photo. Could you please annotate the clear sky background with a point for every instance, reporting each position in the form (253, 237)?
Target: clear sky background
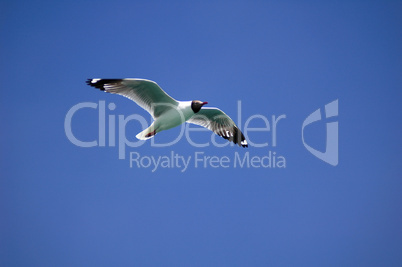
(64, 205)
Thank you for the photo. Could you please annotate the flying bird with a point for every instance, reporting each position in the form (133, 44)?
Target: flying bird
(168, 112)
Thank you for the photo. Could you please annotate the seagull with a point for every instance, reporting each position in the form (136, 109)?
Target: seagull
(168, 112)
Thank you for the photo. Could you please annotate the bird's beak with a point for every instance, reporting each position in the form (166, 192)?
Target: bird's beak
(204, 103)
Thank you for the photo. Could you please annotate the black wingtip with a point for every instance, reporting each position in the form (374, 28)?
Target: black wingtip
(237, 136)
(100, 83)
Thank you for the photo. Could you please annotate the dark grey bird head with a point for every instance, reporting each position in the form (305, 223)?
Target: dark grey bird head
(196, 105)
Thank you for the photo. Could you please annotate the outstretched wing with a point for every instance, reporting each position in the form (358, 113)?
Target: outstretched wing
(147, 94)
(217, 121)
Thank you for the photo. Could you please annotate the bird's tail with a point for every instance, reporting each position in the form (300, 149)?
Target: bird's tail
(147, 133)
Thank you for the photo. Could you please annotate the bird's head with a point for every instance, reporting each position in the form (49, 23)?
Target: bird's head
(196, 105)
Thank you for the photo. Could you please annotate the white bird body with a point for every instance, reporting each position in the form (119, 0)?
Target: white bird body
(168, 112)
(169, 119)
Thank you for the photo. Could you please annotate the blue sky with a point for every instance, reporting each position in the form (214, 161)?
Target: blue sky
(65, 205)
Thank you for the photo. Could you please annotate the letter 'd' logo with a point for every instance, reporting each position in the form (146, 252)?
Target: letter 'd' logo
(330, 155)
